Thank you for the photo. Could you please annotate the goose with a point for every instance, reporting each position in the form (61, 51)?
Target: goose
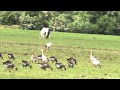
(53, 59)
(11, 56)
(39, 57)
(26, 63)
(60, 66)
(44, 66)
(70, 64)
(33, 57)
(94, 60)
(9, 64)
(1, 55)
(72, 60)
(44, 58)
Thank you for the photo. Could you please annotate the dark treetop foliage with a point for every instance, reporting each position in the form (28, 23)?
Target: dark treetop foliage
(98, 22)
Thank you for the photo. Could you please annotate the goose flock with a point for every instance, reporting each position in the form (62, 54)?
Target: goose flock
(43, 61)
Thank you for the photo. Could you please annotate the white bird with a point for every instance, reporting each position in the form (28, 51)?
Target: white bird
(94, 60)
(48, 45)
(44, 58)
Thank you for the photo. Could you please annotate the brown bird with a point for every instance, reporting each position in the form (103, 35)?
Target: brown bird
(33, 57)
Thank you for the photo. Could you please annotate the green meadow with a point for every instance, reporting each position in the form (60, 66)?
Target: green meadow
(64, 45)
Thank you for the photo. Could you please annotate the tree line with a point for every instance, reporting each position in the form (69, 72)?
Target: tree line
(93, 22)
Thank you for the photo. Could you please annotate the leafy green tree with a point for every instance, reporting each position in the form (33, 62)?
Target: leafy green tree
(100, 22)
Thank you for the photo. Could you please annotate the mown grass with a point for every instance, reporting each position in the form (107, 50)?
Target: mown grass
(64, 45)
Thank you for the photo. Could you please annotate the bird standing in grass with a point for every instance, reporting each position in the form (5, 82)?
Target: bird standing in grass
(60, 66)
(33, 57)
(26, 63)
(39, 57)
(44, 66)
(71, 62)
(8, 64)
(44, 58)
(11, 56)
(94, 60)
(53, 59)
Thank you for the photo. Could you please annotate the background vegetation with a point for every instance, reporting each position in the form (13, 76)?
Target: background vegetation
(95, 22)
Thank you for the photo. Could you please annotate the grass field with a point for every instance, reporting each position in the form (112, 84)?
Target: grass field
(64, 45)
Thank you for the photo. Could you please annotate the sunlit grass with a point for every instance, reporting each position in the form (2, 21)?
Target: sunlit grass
(64, 45)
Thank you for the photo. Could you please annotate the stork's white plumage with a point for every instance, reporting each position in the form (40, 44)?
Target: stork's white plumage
(44, 58)
(48, 45)
(94, 60)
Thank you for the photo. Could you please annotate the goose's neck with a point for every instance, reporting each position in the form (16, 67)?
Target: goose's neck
(91, 52)
(42, 52)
